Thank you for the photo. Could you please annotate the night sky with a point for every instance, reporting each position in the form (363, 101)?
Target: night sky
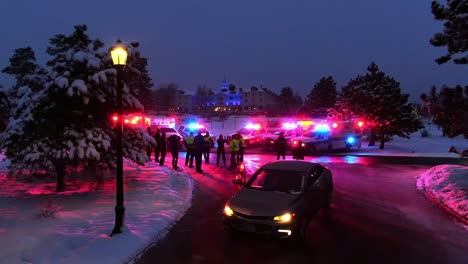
(273, 43)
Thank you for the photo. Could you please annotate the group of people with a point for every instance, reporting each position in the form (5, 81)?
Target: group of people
(281, 145)
(199, 148)
(160, 149)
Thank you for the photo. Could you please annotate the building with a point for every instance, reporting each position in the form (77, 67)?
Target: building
(229, 101)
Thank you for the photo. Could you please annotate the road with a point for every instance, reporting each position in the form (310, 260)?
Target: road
(377, 216)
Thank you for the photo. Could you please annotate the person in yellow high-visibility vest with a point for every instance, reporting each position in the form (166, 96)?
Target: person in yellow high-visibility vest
(234, 149)
(190, 146)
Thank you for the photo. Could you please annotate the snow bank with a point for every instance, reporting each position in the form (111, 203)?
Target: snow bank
(449, 185)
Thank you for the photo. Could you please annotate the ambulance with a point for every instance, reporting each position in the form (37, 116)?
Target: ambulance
(325, 136)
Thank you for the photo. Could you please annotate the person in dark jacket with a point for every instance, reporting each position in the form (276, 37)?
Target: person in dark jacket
(149, 148)
(199, 142)
(281, 144)
(174, 142)
(221, 151)
(157, 137)
(299, 151)
(162, 148)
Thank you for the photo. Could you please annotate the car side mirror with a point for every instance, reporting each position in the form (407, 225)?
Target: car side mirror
(238, 182)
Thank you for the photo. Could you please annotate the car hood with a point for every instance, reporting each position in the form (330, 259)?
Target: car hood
(262, 203)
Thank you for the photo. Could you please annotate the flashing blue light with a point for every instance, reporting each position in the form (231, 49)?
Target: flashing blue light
(322, 128)
(350, 140)
(194, 126)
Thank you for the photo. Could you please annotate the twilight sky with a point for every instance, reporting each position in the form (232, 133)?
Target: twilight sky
(274, 43)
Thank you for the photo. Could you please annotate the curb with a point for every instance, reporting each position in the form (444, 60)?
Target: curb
(449, 210)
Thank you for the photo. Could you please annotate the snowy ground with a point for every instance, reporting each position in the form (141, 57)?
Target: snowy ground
(156, 197)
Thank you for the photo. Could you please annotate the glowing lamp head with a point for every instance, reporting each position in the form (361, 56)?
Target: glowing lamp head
(119, 54)
(350, 140)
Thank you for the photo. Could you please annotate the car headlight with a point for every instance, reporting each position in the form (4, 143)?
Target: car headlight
(228, 211)
(285, 218)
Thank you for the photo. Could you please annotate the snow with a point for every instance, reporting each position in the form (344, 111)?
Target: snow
(449, 184)
(155, 198)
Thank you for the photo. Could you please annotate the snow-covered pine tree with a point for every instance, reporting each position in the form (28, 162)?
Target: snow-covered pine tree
(340, 111)
(377, 98)
(321, 97)
(137, 77)
(455, 34)
(67, 123)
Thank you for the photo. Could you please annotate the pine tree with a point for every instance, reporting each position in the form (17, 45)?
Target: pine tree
(67, 123)
(138, 79)
(321, 97)
(449, 109)
(4, 108)
(340, 111)
(377, 98)
(455, 34)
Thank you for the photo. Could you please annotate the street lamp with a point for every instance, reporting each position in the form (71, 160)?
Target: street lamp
(119, 59)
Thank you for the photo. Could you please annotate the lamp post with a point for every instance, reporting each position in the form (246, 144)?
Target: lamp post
(119, 59)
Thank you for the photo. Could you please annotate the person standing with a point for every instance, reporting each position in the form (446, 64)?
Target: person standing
(240, 154)
(190, 146)
(149, 148)
(234, 149)
(221, 151)
(208, 143)
(199, 142)
(162, 148)
(299, 152)
(174, 141)
(281, 144)
(157, 137)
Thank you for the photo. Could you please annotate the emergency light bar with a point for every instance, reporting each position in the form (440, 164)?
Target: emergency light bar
(289, 125)
(253, 126)
(321, 128)
(193, 126)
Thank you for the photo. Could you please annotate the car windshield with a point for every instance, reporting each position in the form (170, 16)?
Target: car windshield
(276, 180)
(167, 129)
(310, 134)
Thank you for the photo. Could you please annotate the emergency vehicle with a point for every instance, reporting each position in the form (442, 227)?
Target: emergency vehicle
(331, 136)
(289, 129)
(252, 134)
(194, 128)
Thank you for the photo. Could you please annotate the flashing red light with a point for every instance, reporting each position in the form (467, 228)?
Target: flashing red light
(115, 118)
(335, 125)
(242, 167)
(295, 142)
(360, 124)
(126, 121)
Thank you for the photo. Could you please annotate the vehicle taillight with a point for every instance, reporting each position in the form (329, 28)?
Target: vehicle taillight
(360, 124)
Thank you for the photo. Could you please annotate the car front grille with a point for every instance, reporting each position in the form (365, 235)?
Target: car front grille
(252, 217)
